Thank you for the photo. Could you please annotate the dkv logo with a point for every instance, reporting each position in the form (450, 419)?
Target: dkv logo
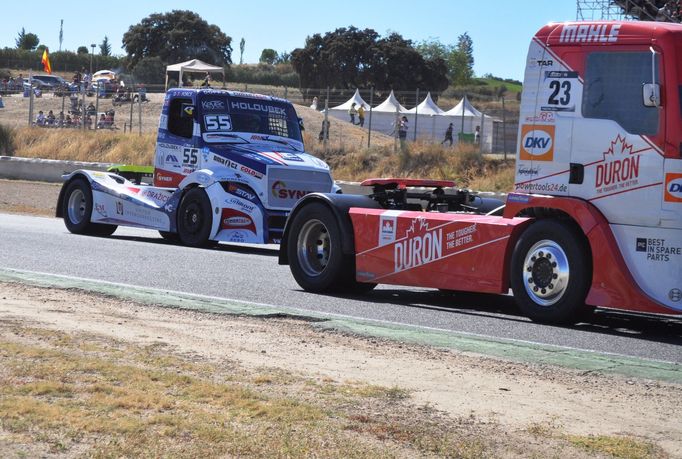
(673, 187)
(537, 142)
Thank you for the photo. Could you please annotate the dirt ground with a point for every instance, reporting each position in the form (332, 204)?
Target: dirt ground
(528, 402)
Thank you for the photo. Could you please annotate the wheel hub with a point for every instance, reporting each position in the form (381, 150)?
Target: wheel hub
(314, 248)
(76, 206)
(546, 272)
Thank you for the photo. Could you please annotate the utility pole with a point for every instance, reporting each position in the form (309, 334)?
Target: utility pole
(61, 34)
(91, 54)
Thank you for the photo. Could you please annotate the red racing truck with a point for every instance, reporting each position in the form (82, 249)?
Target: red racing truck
(595, 219)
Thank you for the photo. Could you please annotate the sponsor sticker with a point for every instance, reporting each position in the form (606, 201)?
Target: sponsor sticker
(537, 142)
(619, 170)
(673, 187)
(657, 249)
(387, 226)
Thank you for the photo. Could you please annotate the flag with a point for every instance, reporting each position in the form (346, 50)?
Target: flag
(46, 62)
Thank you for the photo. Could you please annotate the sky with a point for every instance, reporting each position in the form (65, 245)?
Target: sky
(500, 33)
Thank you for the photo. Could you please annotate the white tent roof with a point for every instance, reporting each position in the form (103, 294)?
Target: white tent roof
(356, 98)
(427, 107)
(194, 65)
(463, 108)
(389, 105)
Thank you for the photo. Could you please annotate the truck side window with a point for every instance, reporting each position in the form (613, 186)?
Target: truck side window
(613, 90)
(180, 118)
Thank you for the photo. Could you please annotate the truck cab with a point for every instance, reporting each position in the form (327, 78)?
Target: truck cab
(228, 166)
(601, 121)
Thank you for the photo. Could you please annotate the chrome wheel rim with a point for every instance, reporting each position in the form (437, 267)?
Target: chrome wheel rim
(314, 248)
(546, 273)
(76, 206)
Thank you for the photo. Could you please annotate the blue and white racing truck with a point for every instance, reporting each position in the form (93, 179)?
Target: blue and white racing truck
(229, 166)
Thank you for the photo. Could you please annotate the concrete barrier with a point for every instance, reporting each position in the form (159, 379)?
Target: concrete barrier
(51, 170)
(42, 170)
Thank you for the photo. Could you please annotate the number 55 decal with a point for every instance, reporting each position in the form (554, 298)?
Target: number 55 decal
(218, 122)
(190, 156)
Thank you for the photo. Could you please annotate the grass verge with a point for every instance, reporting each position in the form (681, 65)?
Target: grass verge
(77, 394)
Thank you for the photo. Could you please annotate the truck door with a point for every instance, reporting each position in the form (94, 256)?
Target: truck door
(617, 155)
(176, 152)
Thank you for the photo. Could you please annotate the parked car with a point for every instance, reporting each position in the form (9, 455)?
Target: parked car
(48, 82)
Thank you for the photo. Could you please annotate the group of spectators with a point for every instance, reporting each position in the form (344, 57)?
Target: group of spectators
(12, 85)
(75, 119)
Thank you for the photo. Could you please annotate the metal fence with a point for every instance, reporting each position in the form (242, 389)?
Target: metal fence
(136, 109)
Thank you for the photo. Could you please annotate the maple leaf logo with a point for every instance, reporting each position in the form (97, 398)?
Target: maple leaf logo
(419, 226)
(618, 147)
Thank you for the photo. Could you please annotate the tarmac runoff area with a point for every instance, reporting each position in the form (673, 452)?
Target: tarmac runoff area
(514, 350)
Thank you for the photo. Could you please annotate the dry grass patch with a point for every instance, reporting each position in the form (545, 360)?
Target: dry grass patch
(69, 392)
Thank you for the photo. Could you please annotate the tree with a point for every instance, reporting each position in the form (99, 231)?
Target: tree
(28, 41)
(353, 58)
(242, 45)
(150, 70)
(177, 36)
(465, 45)
(82, 50)
(268, 56)
(105, 47)
(283, 58)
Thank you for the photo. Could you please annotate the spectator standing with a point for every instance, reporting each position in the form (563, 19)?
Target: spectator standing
(361, 115)
(352, 111)
(314, 104)
(448, 135)
(324, 135)
(402, 132)
(207, 81)
(477, 134)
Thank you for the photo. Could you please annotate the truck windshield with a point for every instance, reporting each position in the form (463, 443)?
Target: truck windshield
(222, 115)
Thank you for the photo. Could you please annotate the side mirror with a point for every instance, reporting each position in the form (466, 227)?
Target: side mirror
(651, 95)
(300, 124)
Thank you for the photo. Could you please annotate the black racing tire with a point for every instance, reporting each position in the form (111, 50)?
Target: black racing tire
(195, 219)
(316, 258)
(551, 272)
(77, 209)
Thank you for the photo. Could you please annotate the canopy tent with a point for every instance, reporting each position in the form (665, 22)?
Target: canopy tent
(356, 98)
(390, 105)
(465, 118)
(193, 66)
(427, 107)
(463, 108)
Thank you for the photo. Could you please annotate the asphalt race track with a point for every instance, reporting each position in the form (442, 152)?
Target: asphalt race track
(142, 258)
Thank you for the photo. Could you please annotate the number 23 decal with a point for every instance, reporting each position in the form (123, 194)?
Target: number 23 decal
(561, 92)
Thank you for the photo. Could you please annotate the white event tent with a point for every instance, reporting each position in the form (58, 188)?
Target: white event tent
(464, 118)
(193, 66)
(430, 120)
(346, 105)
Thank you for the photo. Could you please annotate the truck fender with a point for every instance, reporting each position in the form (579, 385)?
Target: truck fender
(68, 178)
(339, 205)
